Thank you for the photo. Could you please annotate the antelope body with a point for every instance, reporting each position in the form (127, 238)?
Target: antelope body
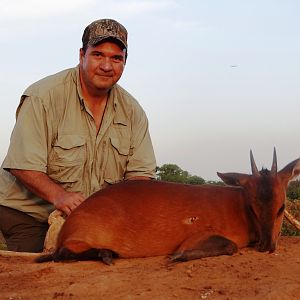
(148, 218)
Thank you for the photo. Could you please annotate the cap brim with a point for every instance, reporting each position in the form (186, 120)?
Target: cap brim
(101, 39)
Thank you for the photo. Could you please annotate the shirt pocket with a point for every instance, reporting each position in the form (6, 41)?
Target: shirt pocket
(118, 152)
(67, 160)
(121, 145)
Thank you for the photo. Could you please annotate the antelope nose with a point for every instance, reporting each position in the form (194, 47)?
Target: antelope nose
(272, 248)
(267, 246)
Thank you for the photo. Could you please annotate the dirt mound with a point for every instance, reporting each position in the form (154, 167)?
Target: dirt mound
(246, 275)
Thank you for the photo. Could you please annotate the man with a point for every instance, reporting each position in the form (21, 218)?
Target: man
(76, 132)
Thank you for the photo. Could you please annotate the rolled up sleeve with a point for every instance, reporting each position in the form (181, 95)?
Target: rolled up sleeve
(28, 143)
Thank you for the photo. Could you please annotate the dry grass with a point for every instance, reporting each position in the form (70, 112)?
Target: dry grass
(2, 242)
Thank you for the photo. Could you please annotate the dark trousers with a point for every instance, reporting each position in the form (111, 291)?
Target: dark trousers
(22, 232)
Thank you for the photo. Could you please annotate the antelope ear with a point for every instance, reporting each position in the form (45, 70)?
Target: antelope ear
(290, 171)
(235, 179)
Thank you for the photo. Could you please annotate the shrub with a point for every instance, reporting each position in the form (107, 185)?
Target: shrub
(293, 190)
(294, 208)
(2, 242)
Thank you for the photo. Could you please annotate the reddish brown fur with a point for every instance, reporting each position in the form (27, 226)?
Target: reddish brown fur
(149, 218)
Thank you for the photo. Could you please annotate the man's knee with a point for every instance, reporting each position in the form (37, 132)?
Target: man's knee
(28, 239)
(22, 232)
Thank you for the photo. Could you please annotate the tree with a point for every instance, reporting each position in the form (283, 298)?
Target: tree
(215, 182)
(293, 190)
(173, 173)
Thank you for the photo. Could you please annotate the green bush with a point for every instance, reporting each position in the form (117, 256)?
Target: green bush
(294, 208)
(3, 246)
(2, 242)
(293, 190)
(173, 173)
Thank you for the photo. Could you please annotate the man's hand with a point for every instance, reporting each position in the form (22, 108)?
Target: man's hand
(68, 201)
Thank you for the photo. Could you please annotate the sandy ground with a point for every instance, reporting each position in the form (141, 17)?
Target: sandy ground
(246, 275)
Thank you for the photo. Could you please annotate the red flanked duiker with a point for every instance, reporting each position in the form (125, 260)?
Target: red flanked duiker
(142, 218)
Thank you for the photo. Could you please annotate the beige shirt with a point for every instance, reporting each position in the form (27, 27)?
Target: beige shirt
(56, 134)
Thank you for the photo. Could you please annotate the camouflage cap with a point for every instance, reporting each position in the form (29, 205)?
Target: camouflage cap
(102, 29)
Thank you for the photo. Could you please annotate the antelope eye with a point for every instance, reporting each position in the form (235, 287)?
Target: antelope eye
(253, 212)
(281, 210)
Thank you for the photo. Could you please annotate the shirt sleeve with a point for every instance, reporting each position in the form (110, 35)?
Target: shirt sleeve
(141, 160)
(28, 143)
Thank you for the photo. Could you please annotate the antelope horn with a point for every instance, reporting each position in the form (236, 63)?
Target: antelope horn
(253, 165)
(274, 164)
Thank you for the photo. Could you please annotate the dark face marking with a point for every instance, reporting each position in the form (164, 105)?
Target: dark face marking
(265, 191)
(266, 210)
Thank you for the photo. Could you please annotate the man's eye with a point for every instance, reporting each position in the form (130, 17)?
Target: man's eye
(117, 58)
(96, 54)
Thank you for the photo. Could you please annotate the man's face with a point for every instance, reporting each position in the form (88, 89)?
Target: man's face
(101, 66)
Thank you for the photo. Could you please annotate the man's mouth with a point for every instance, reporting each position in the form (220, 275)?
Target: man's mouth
(104, 75)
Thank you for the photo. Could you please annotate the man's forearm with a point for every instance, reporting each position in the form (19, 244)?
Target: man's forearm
(38, 183)
(44, 187)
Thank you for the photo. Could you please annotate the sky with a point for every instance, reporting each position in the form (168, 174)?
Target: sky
(215, 77)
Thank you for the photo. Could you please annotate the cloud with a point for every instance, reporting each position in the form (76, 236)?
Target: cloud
(23, 17)
(137, 7)
(13, 10)
(188, 25)
(37, 9)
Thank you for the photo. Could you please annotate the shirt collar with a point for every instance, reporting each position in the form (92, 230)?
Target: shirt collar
(120, 109)
(78, 86)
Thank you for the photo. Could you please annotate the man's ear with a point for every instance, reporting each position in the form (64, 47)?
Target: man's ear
(81, 54)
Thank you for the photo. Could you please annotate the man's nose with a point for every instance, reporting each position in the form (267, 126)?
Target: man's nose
(106, 64)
